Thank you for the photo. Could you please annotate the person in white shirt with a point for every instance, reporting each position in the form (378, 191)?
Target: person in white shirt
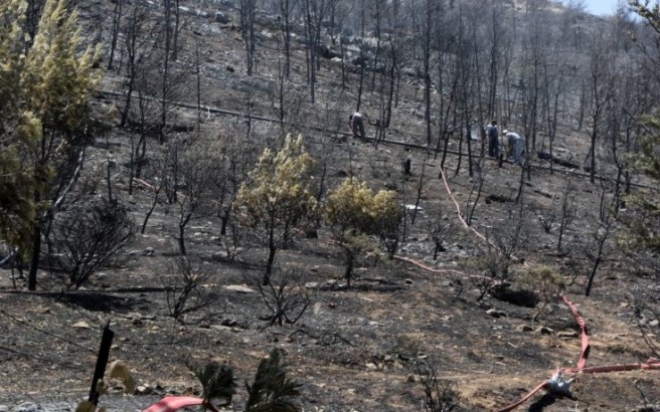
(356, 124)
(515, 144)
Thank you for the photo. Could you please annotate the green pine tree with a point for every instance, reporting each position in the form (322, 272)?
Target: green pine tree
(278, 197)
(20, 133)
(643, 220)
(45, 120)
(355, 213)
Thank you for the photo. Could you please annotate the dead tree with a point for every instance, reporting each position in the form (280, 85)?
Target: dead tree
(178, 25)
(88, 236)
(439, 395)
(361, 59)
(324, 146)
(506, 241)
(185, 290)
(139, 51)
(116, 25)
(599, 89)
(420, 187)
(567, 211)
(170, 75)
(441, 231)
(198, 168)
(314, 13)
(248, 15)
(285, 297)
(155, 200)
(535, 57)
(426, 32)
(160, 175)
(600, 236)
(477, 185)
(286, 8)
(139, 46)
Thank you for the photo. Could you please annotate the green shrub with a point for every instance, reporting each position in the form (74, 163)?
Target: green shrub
(548, 283)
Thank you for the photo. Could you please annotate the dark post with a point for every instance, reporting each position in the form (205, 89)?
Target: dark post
(101, 362)
(406, 167)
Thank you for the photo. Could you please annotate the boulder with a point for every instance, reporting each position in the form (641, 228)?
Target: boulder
(497, 199)
(495, 313)
(567, 334)
(222, 18)
(524, 328)
(265, 34)
(239, 289)
(359, 61)
(326, 52)
(81, 325)
(414, 72)
(543, 330)
(560, 157)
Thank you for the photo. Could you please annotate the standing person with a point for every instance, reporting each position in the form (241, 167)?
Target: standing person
(356, 124)
(493, 135)
(515, 144)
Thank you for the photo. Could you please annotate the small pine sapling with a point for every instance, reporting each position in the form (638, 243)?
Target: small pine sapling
(548, 283)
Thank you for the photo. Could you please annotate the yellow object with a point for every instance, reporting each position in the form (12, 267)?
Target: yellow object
(86, 406)
(101, 389)
(119, 370)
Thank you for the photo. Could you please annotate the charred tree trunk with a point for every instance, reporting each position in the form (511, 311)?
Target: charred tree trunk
(34, 260)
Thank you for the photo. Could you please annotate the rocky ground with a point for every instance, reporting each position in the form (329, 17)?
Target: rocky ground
(356, 349)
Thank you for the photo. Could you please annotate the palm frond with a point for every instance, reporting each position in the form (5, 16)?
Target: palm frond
(271, 391)
(217, 381)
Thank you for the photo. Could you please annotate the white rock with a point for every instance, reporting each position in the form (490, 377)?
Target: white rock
(239, 289)
(81, 325)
